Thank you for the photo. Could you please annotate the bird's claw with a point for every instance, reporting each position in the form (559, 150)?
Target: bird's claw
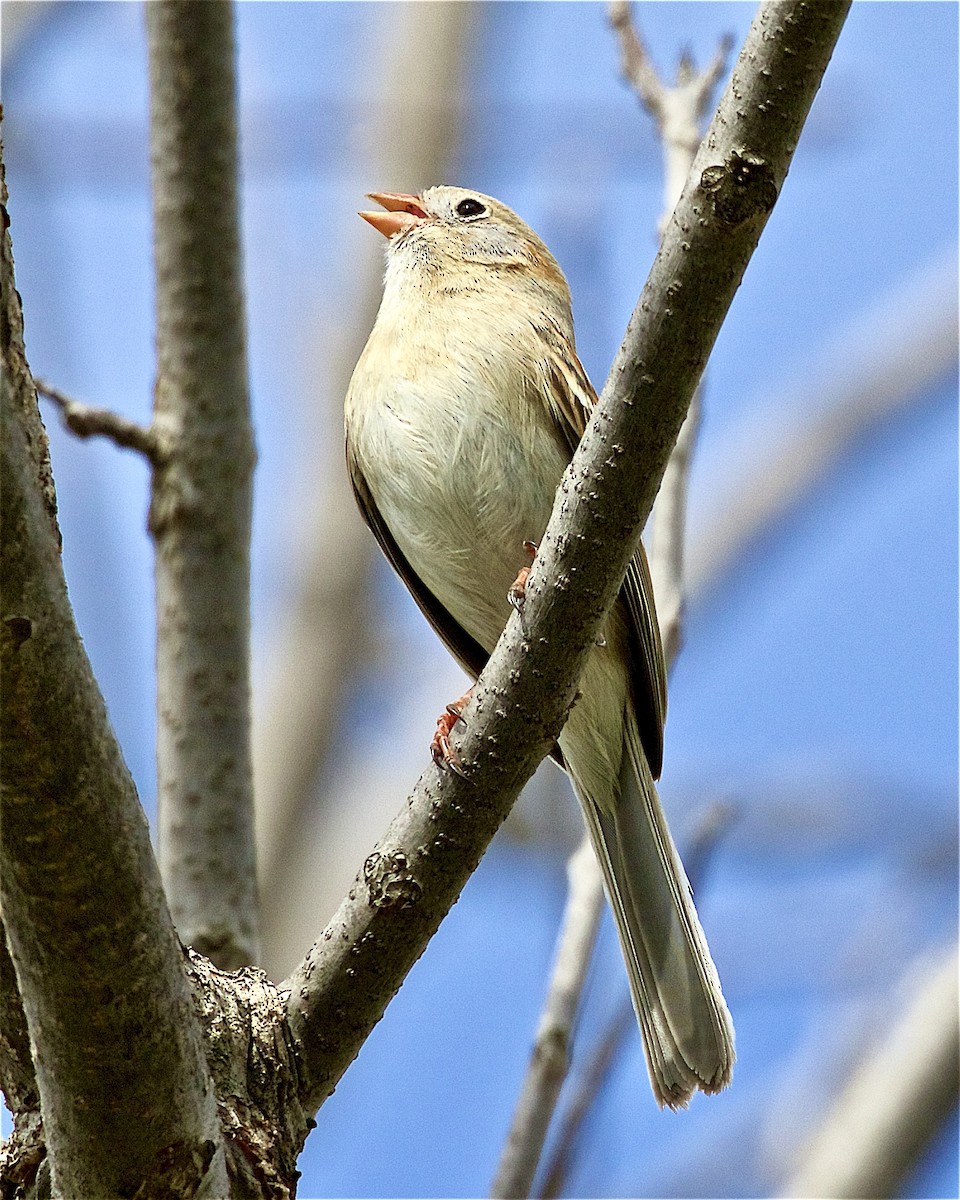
(518, 589)
(517, 594)
(441, 750)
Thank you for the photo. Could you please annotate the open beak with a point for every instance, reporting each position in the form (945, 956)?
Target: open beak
(403, 212)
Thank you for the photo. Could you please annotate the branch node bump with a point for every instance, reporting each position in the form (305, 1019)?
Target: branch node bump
(740, 188)
(390, 883)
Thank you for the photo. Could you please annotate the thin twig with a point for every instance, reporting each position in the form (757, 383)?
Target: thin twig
(86, 421)
(550, 1061)
(678, 109)
(599, 1063)
(635, 64)
(711, 828)
(671, 108)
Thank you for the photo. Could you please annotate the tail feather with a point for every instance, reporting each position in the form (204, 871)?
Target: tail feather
(686, 1027)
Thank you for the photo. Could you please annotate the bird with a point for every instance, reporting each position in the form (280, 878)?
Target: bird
(464, 409)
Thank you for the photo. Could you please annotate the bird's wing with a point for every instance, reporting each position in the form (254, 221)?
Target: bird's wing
(468, 653)
(572, 398)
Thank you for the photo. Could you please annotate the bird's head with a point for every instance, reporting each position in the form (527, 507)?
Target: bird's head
(452, 230)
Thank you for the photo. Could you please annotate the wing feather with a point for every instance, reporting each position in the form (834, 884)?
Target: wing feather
(571, 398)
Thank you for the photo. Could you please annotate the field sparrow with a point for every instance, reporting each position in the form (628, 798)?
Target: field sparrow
(463, 411)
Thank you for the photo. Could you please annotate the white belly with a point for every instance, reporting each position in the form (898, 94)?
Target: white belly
(459, 493)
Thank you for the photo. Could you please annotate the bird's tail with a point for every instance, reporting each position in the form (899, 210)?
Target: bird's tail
(686, 1027)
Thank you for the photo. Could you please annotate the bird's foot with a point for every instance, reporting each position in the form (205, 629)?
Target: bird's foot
(443, 753)
(518, 589)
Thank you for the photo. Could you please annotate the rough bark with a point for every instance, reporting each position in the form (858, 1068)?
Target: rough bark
(123, 1085)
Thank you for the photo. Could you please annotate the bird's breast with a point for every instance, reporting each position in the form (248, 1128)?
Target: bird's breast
(463, 464)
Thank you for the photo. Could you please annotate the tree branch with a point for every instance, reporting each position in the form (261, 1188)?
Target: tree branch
(896, 1100)
(711, 828)
(86, 421)
(550, 1058)
(202, 489)
(676, 110)
(324, 641)
(406, 887)
(119, 1065)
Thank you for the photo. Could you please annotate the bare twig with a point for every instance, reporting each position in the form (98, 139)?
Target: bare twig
(711, 828)
(599, 1062)
(676, 110)
(550, 1060)
(202, 490)
(407, 886)
(639, 72)
(635, 65)
(899, 1096)
(672, 108)
(86, 421)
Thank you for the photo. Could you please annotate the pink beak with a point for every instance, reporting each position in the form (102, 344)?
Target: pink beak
(403, 212)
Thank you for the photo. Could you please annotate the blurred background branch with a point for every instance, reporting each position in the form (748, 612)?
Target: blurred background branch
(882, 361)
(896, 1099)
(327, 629)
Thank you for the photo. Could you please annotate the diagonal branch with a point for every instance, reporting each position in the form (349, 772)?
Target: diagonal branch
(406, 887)
(117, 1051)
(895, 1101)
(200, 509)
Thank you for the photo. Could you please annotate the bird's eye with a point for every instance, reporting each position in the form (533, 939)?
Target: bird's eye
(471, 208)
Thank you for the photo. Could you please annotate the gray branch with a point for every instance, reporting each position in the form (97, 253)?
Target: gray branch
(895, 1101)
(321, 644)
(408, 884)
(120, 1069)
(711, 828)
(676, 110)
(550, 1057)
(202, 488)
(85, 421)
